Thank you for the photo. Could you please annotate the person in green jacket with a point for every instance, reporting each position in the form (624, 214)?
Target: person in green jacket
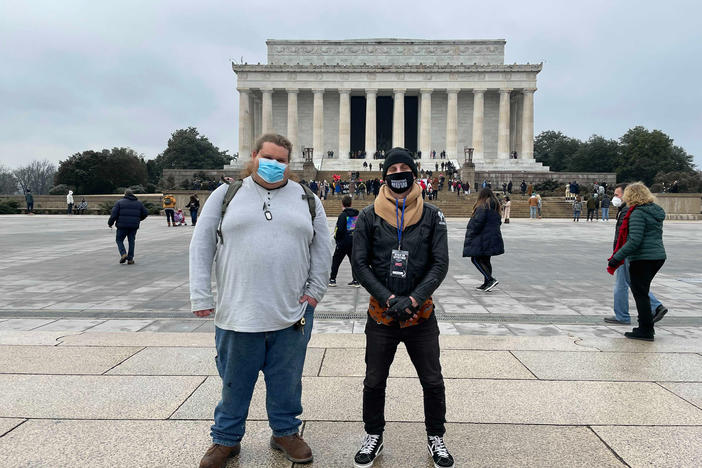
(645, 252)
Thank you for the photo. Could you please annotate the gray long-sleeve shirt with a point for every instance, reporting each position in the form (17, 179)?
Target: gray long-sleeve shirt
(263, 267)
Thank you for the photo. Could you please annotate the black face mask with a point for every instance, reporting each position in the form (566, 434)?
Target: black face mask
(400, 182)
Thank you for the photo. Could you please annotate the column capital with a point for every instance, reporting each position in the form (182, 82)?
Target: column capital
(479, 90)
(529, 90)
(243, 90)
(506, 90)
(426, 90)
(292, 90)
(371, 91)
(318, 90)
(452, 91)
(267, 90)
(344, 91)
(399, 90)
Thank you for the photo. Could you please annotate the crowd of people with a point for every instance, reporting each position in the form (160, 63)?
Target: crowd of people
(275, 263)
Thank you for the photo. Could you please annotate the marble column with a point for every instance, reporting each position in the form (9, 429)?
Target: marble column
(478, 117)
(425, 124)
(267, 116)
(344, 123)
(244, 125)
(503, 125)
(292, 123)
(318, 123)
(398, 118)
(452, 123)
(371, 133)
(528, 124)
(257, 118)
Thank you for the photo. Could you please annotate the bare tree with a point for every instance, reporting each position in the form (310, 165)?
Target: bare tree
(37, 175)
(8, 183)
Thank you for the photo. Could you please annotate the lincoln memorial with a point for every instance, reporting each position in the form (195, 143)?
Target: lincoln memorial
(349, 100)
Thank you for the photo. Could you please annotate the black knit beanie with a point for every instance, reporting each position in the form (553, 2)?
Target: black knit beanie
(399, 155)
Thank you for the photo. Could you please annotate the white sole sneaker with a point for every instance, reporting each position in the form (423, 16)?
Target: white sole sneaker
(368, 465)
(490, 288)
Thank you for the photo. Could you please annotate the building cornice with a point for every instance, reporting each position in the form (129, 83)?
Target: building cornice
(386, 69)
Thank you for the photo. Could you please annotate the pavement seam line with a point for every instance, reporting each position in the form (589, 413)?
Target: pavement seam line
(13, 428)
(617, 456)
(123, 360)
(525, 366)
(673, 393)
(321, 364)
(187, 398)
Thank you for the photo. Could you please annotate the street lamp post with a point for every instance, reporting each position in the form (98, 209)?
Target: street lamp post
(467, 154)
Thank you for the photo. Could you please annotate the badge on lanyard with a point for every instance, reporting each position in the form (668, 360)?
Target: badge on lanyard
(399, 257)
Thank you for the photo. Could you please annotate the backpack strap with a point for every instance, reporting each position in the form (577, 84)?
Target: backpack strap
(309, 196)
(231, 191)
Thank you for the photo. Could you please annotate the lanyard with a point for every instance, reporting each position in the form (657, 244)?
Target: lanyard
(400, 224)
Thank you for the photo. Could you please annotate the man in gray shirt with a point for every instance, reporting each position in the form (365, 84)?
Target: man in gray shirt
(271, 268)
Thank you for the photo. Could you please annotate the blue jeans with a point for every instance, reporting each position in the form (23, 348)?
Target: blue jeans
(621, 294)
(532, 212)
(240, 356)
(605, 214)
(130, 234)
(193, 216)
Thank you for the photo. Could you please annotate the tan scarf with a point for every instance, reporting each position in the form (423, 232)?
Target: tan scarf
(385, 206)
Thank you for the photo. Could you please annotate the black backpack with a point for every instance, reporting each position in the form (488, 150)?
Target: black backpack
(236, 185)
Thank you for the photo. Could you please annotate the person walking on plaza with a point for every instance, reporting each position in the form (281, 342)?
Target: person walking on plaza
(533, 206)
(640, 241)
(127, 213)
(269, 237)
(169, 204)
(400, 256)
(194, 206)
(69, 202)
(343, 235)
(507, 209)
(591, 208)
(622, 282)
(29, 198)
(483, 237)
(523, 187)
(604, 205)
(577, 208)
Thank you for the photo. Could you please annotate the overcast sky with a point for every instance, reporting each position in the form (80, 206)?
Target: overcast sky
(79, 75)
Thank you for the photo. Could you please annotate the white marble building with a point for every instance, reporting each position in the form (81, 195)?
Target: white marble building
(354, 96)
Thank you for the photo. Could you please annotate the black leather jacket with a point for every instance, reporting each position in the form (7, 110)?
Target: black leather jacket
(426, 242)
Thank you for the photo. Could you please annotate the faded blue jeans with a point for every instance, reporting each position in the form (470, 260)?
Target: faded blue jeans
(240, 356)
(532, 211)
(621, 294)
(605, 214)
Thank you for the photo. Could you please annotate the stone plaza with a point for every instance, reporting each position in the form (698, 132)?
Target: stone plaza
(103, 364)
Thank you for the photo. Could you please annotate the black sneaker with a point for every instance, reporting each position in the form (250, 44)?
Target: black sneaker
(439, 453)
(355, 284)
(371, 447)
(332, 283)
(638, 334)
(491, 284)
(660, 313)
(482, 286)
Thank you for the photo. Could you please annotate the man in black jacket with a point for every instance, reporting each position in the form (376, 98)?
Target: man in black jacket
(343, 234)
(400, 255)
(127, 213)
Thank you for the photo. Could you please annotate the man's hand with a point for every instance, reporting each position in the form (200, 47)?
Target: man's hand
(402, 308)
(309, 299)
(204, 313)
(613, 263)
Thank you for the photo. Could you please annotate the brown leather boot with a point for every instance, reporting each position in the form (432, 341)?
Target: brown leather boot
(294, 447)
(217, 455)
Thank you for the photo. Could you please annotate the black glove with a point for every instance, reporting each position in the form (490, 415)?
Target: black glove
(613, 263)
(398, 306)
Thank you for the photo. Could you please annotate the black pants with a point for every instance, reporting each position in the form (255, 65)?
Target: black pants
(641, 273)
(130, 234)
(422, 343)
(342, 250)
(482, 263)
(170, 212)
(590, 214)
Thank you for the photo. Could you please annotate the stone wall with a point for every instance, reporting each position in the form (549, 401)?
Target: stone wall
(583, 178)
(680, 203)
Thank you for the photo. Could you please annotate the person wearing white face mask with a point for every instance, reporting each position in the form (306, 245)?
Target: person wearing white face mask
(270, 239)
(622, 282)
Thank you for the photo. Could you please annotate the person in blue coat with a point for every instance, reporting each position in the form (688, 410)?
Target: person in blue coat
(128, 213)
(483, 236)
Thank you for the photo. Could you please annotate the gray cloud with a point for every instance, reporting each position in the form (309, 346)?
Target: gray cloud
(87, 75)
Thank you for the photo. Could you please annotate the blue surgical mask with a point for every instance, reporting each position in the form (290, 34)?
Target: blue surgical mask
(271, 170)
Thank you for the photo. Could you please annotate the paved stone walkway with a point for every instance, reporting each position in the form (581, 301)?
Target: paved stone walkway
(102, 364)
